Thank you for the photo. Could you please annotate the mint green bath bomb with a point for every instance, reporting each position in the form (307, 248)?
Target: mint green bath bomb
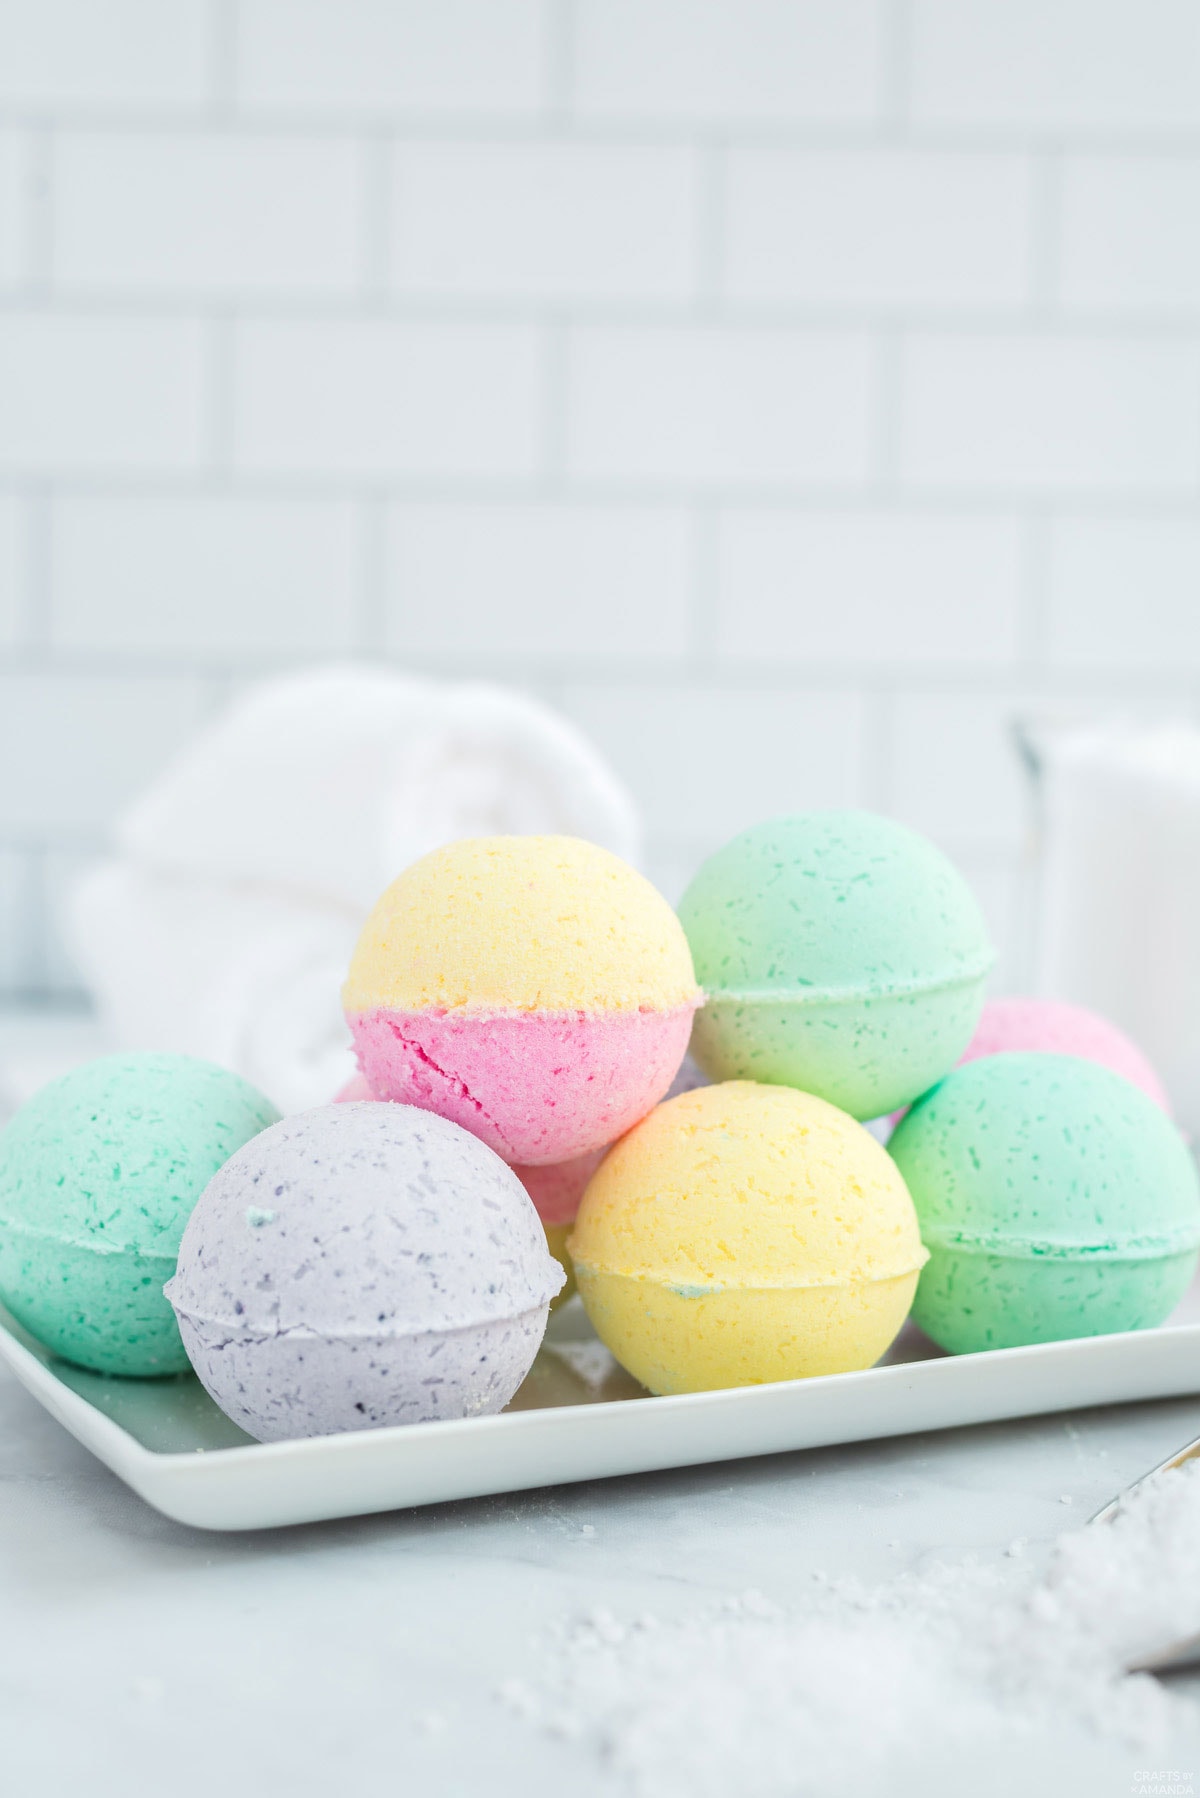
(98, 1176)
(1055, 1200)
(840, 953)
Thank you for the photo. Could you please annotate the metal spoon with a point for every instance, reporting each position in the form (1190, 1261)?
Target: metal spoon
(1175, 1656)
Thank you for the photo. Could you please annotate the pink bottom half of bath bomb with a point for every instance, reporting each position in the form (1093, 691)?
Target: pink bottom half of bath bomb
(1054, 1027)
(557, 1188)
(537, 1087)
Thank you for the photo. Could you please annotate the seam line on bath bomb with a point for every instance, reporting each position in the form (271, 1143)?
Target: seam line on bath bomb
(1176, 1241)
(240, 1331)
(695, 1289)
(484, 1010)
(95, 1245)
(825, 995)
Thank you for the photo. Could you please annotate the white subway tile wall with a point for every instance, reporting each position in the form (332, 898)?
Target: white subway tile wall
(1056, 66)
(727, 61)
(106, 56)
(74, 745)
(718, 407)
(1050, 412)
(13, 572)
(1124, 244)
(1124, 593)
(90, 393)
(878, 229)
(855, 588)
(206, 576)
(706, 759)
(582, 583)
(795, 391)
(19, 966)
(16, 206)
(573, 222)
(383, 399)
(391, 59)
(206, 214)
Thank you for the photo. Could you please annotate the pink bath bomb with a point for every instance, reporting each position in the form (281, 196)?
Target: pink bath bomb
(1054, 1027)
(557, 1190)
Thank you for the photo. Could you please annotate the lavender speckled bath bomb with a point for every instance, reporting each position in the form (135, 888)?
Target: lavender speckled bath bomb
(98, 1176)
(360, 1266)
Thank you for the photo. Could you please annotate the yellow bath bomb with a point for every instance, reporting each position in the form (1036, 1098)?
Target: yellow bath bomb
(741, 1234)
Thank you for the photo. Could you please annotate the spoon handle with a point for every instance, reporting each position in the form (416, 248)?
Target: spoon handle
(1109, 1511)
(1170, 1660)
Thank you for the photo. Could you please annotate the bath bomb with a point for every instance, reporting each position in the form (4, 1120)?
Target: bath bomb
(98, 1176)
(840, 953)
(555, 1190)
(1055, 1199)
(535, 990)
(359, 1266)
(742, 1234)
(1057, 1028)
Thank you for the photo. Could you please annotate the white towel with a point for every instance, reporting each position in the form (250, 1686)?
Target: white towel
(1119, 914)
(224, 925)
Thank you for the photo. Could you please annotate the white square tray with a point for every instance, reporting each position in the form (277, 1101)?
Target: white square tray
(577, 1417)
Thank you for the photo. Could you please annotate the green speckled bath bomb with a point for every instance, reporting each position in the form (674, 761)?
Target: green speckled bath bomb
(1055, 1200)
(841, 953)
(98, 1176)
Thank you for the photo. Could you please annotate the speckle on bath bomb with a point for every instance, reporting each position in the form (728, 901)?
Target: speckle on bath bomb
(98, 1176)
(404, 1275)
(841, 953)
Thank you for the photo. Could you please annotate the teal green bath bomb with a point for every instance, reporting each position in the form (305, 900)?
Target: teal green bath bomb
(98, 1176)
(840, 953)
(1055, 1200)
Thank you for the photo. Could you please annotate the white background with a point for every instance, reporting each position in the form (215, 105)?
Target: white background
(792, 390)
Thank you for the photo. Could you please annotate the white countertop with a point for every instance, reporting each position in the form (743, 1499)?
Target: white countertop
(365, 1657)
(139, 1657)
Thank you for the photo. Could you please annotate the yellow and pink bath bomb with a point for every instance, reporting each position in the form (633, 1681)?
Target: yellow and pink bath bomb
(536, 990)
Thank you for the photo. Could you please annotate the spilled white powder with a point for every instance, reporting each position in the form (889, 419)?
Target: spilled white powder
(589, 1361)
(850, 1689)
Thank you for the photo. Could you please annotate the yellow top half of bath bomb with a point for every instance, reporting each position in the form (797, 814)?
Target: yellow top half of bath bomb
(522, 923)
(741, 1185)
